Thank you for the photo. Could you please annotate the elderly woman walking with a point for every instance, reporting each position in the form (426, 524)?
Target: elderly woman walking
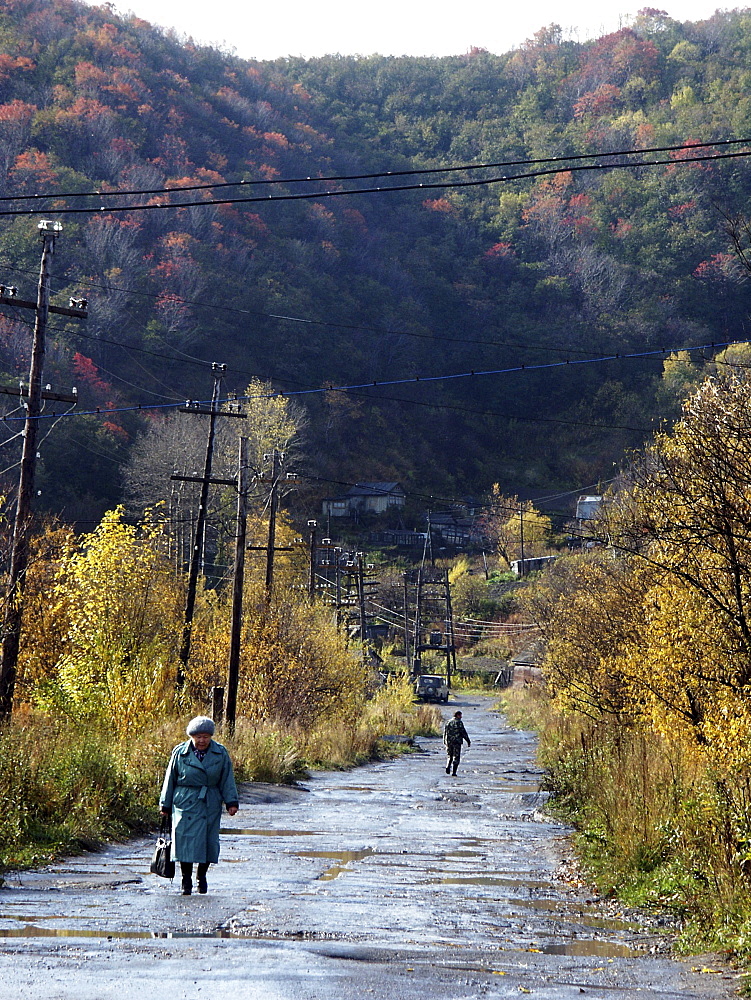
(199, 778)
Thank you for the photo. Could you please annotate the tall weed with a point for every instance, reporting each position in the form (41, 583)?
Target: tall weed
(657, 824)
(61, 787)
(64, 785)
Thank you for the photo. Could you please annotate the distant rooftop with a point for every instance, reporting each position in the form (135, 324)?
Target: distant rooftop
(374, 489)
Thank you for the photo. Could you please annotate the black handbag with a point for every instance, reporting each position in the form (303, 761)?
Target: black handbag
(162, 863)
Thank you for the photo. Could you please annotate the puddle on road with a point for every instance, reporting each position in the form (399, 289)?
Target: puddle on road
(572, 906)
(575, 912)
(514, 788)
(345, 858)
(592, 949)
(486, 880)
(570, 910)
(31, 931)
(270, 833)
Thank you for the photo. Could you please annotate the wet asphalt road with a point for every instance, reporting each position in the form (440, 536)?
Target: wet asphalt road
(390, 881)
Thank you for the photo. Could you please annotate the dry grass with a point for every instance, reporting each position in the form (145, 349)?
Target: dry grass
(657, 825)
(62, 788)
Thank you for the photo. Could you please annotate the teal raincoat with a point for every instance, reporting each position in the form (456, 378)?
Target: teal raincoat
(194, 791)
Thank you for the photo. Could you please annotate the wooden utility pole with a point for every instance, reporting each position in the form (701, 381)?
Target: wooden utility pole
(205, 480)
(406, 623)
(197, 548)
(361, 603)
(417, 645)
(522, 568)
(273, 504)
(450, 641)
(238, 580)
(217, 704)
(338, 585)
(19, 558)
(313, 559)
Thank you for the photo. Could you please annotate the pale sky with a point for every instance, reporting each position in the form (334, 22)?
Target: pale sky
(391, 27)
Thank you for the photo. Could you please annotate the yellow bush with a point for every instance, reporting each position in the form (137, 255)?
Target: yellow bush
(122, 610)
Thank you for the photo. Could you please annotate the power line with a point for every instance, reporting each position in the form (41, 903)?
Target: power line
(411, 172)
(420, 379)
(352, 391)
(350, 327)
(462, 628)
(383, 398)
(360, 395)
(320, 195)
(282, 317)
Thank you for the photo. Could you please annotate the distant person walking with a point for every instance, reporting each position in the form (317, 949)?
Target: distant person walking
(454, 735)
(199, 778)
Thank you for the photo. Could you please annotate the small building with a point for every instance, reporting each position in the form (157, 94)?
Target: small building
(531, 565)
(587, 507)
(582, 534)
(335, 507)
(454, 528)
(403, 539)
(365, 498)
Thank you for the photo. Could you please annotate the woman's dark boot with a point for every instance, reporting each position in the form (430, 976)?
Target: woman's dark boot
(202, 884)
(186, 871)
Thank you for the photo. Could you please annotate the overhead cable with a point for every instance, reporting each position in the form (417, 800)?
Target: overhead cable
(412, 380)
(422, 186)
(408, 172)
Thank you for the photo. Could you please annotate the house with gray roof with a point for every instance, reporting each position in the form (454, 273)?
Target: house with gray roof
(365, 498)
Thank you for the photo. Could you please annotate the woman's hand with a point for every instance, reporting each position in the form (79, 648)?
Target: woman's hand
(164, 812)
(232, 810)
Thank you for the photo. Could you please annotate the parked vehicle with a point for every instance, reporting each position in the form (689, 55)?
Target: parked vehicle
(432, 687)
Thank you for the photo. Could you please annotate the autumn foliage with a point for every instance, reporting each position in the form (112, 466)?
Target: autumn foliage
(649, 648)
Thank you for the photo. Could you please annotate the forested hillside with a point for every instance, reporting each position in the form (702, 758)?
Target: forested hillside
(373, 287)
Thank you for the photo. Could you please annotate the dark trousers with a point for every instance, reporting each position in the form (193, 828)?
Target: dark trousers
(186, 870)
(453, 756)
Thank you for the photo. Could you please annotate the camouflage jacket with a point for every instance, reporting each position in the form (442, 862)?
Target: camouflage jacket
(454, 732)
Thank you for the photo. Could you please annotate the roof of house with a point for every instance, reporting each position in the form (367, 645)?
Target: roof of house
(374, 489)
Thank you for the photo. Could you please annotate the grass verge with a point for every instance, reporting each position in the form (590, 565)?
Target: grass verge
(65, 788)
(656, 826)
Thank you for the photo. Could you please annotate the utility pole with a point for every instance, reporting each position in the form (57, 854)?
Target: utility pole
(238, 579)
(338, 586)
(205, 480)
(417, 645)
(406, 623)
(361, 602)
(270, 548)
(19, 558)
(450, 641)
(313, 559)
(522, 568)
(273, 503)
(197, 549)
